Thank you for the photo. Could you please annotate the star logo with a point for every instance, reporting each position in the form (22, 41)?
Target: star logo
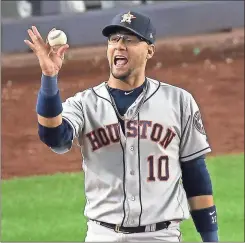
(127, 17)
(151, 35)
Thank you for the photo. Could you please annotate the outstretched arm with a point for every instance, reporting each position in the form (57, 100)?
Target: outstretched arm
(52, 129)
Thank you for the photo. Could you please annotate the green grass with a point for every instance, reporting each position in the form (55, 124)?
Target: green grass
(50, 208)
(227, 173)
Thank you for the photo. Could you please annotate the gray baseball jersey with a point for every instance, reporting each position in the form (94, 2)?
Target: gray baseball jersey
(135, 178)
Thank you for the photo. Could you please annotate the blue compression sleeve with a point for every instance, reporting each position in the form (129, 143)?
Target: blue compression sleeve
(211, 236)
(49, 103)
(195, 177)
(49, 106)
(197, 182)
(49, 85)
(57, 136)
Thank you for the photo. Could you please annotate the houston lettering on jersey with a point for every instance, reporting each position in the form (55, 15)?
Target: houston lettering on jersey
(110, 134)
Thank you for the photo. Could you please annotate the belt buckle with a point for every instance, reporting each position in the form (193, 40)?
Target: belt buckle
(117, 229)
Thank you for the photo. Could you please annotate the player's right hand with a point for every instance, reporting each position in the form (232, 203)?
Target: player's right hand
(50, 60)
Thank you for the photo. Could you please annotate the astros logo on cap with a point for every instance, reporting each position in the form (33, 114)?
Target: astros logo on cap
(127, 17)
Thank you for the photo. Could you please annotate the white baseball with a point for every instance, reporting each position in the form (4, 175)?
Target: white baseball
(57, 37)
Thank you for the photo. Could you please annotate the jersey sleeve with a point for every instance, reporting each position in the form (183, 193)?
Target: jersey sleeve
(193, 142)
(73, 113)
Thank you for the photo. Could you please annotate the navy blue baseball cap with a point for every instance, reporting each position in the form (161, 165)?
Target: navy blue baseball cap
(137, 23)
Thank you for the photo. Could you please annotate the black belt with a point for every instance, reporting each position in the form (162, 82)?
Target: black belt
(139, 229)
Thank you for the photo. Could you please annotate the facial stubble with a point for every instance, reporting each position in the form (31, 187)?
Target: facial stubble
(122, 77)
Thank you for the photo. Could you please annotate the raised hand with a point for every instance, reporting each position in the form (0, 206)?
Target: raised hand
(49, 59)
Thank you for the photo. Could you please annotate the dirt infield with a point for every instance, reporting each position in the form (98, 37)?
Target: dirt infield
(211, 67)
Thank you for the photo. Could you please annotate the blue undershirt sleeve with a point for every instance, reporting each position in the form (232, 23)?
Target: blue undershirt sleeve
(195, 177)
(197, 182)
(58, 136)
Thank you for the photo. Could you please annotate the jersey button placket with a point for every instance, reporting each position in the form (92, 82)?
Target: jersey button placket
(132, 198)
(132, 181)
(132, 172)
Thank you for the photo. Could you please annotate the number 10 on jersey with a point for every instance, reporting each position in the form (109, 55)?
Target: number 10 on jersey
(158, 168)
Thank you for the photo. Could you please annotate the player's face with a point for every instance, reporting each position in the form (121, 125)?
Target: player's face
(127, 54)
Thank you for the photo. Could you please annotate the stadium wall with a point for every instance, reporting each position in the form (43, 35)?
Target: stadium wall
(170, 18)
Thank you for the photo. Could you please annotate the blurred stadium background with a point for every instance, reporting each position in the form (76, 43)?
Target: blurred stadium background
(200, 48)
(25, 9)
(171, 18)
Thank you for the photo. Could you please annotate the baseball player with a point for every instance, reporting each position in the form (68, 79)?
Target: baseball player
(143, 142)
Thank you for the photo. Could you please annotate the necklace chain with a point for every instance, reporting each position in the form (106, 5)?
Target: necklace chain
(139, 106)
